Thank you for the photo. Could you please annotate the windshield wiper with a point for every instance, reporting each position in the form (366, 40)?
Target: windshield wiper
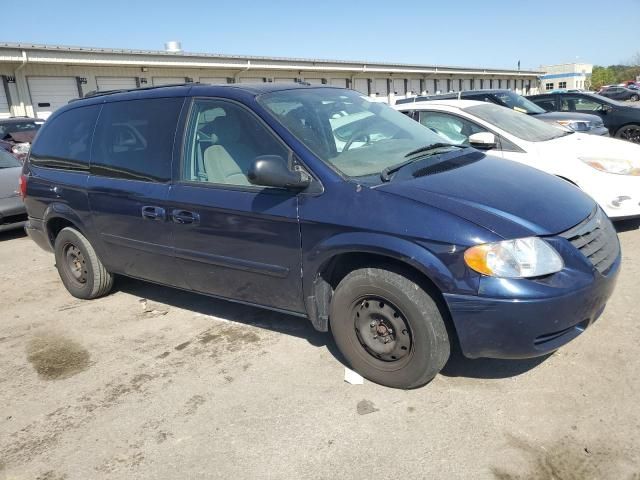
(426, 148)
(385, 175)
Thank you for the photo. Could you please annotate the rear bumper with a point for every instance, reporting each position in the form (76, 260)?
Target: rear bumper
(523, 328)
(35, 230)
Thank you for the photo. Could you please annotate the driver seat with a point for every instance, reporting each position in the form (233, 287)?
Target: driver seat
(228, 160)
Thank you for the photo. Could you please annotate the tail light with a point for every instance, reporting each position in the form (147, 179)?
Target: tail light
(23, 186)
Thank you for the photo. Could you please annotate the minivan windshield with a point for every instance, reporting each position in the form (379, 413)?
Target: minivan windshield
(345, 129)
(517, 124)
(518, 103)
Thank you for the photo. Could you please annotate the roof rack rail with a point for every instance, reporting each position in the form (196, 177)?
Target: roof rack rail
(102, 93)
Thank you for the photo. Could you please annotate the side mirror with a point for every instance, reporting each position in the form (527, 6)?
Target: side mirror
(273, 171)
(483, 141)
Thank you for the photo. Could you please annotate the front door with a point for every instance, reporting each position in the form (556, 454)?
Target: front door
(233, 239)
(129, 187)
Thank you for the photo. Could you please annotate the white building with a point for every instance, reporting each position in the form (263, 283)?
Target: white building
(566, 75)
(37, 79)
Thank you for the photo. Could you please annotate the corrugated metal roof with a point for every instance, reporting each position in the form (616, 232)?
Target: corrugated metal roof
(311, 62)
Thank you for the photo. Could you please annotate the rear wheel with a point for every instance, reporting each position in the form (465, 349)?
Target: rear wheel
(629, 132)
(634, 98)
(388, 328)
(80, 269)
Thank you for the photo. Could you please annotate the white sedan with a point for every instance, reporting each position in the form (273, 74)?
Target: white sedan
(605, 168)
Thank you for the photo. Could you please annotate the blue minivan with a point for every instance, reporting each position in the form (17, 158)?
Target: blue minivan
(318, 202)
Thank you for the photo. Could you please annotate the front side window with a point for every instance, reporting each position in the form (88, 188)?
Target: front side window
(580, 104)
(223, 141)
(134, 139)
(345, 129)
(451, 128)
(517, 124)
(65, 140)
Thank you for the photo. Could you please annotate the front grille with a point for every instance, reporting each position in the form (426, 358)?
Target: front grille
(596, 239)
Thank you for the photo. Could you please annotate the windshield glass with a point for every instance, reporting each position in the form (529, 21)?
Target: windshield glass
(8, 161)
(517, 124)
(519, 103)
(8, 128)
(345, 129)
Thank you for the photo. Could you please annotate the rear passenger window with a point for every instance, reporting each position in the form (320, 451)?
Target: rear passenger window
(65, 140)
(134, 139)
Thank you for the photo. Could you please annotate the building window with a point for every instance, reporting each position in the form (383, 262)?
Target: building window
(562, 84)
(548, 86)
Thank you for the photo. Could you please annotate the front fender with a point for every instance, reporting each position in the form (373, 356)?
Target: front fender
(440, 263)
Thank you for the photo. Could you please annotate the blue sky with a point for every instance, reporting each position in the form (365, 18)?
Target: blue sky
(467, 33)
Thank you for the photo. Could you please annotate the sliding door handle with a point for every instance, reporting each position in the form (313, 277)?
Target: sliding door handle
(184, 217)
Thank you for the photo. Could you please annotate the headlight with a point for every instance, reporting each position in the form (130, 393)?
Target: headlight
(21, 148)
(614, 165)
(519, 258)
(575, 125)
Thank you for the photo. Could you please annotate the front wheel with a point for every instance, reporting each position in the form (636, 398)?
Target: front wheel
(630, 133)
(80, 269)
(388, 328)
(634, 98)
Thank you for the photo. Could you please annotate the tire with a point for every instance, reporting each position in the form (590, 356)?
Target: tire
(372, 305)
(80, 269)
(630, 133)
(634, 98)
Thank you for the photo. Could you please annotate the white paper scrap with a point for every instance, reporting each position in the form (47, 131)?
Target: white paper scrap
(352, 377)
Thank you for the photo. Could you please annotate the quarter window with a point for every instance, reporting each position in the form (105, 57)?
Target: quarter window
(134, 139)
(223, 141)
(65, 140)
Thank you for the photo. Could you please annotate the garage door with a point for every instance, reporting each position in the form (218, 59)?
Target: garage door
(213, 80)
(115, 83)
(313, 81)
(284, 80)
(398, 86)
(414, 86)
(361, 85)
(159, 81)
(339, 82)
(380, 86)
(252, 80)
(5, 112)
(50, 93)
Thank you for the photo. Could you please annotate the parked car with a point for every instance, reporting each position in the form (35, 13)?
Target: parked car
(17, 133)
(578, 122)
(374, 226)
(12, 210)
(620, 93)
(605, 168)
(621, 119)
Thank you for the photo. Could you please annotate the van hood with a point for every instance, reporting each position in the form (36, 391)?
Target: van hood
(507, 198)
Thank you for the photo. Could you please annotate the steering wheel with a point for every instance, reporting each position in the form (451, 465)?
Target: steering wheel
(356, 135)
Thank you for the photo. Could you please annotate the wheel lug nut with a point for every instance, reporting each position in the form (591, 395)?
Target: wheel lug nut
(372, 324)
(386, 340)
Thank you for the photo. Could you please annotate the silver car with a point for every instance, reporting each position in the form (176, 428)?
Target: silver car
(12, 211)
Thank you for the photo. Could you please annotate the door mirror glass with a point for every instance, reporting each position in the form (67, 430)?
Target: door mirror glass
(483, 140)
(273, 171)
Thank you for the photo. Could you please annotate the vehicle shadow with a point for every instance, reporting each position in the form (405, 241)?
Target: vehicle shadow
(12, 234)
(230, 311)
(627, 225)
(488, 368)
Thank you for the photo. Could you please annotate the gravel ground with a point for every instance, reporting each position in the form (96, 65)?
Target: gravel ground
(183, 386)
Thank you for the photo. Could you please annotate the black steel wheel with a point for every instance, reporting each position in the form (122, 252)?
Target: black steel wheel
(630, 133)
(79, 267)
(389, 329)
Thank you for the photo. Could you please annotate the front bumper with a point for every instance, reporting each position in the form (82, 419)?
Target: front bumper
(534, 319)
(601, 131)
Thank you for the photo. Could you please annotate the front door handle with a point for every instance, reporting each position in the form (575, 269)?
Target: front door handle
(153, 213)
(184, 217)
